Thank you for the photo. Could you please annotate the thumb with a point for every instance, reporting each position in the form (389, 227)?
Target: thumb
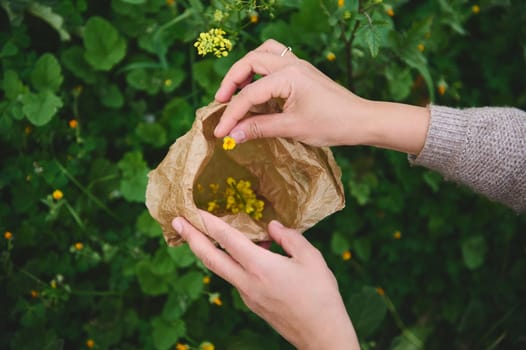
(290, 240)
(262, 126)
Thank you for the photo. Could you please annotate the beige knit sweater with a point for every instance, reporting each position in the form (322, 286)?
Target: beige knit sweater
(482, 148)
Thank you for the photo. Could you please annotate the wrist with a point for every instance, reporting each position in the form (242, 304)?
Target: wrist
(396, 126)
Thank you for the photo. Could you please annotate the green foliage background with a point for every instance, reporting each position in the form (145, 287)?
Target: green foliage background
(128, 73)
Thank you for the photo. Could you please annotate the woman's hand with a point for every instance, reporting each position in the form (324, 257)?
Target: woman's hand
(296, 294)
(317, 110)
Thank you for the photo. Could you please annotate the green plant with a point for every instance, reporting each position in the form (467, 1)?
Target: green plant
(92, 95)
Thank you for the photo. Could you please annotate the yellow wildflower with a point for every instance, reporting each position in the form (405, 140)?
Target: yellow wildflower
(27, 130)
(34, 294)
(254, 18)
(421, 47)
(229, 143)
(390, 11)
(180, 346)
(212, 205)
(53, 284)
(57, 195)
(380, 291)
(475, 9)
(442, 88)
(8, 235)
(207, 346)
(341, 3)
(214, 188)
(90, 343)
(215, 299)
(397, 235)
(206, 280)
(330, 56)
(214, 42)
(79, 246)
(73, 123)
(218, 15)
(168, 82)
(346, 255)
(170, 3)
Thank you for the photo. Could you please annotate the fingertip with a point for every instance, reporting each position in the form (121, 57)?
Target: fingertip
(177, 224)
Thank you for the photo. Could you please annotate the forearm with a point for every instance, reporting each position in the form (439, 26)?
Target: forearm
(395, 126)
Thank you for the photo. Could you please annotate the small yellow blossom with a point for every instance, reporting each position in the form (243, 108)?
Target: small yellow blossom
(346, 255)
(380, 291)
(215, 299)
(229, 143)
(207, 346)
(390, 11)
(254, 18)
(212, 205)
(90, 343)
(168, 82)
(57, 195)
(475, 9)
(214, 42)
(397, 235)
(218, 15)
(206, 280)
(214, 188)
(79, 246)
(34, 294)
(421, 47)
(180, 346)
(330, 56)
(8, 235)
(170, 3)
(341, 3)
(442, 88)
(73, 123)
(28, 130)
(53, 284)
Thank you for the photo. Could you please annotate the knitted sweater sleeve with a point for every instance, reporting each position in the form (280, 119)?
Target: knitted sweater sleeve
(482, 148)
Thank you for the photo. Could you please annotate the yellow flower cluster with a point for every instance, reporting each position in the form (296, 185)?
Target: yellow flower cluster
(214, 42)
(238, 197)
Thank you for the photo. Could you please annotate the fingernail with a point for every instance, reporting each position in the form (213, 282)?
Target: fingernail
(177, 225)
(277, 224)
(238, 135)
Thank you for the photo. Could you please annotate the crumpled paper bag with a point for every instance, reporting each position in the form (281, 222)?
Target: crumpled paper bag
(300, 184)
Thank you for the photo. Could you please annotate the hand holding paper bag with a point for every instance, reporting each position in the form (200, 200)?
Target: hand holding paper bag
(299, 184)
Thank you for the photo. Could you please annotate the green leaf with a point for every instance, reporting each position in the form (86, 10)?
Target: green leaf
(362, 248)
(474, 252)
(400, 82)
(367, 310)
(190, 284)
(182, 255)
(166, 333)
(433, 179)
(111, 96)
(147, 226)
(339, 243)
(54, 20)
(175, 306)
(40, 108)
(47, 74)
(12, 85)
(74, 61)
(134, 2)
(152, 133)
(134, 176)
(150, 283)
(372, 39)
(161, 263)
(104, 46)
